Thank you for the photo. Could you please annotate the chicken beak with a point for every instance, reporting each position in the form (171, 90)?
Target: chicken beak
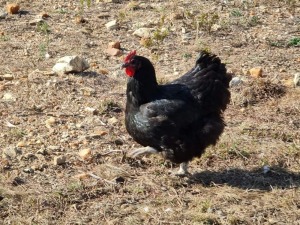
(124, 65)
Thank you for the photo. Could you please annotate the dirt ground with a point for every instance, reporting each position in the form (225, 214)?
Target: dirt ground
(250, 177)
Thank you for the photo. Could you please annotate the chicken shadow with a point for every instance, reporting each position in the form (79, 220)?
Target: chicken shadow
(255, 179)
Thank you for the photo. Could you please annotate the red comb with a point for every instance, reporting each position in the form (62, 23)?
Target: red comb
(130, 55)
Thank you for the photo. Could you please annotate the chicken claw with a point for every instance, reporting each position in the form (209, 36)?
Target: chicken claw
(183, 170)
(142, 151)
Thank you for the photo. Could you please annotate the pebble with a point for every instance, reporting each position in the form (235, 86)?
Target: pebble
(216, 27)
(3, 14)
(11, 152)
(296, 80)
(54, 147)
(42, 152)
(12, 8)
(69, 64)
(113, 51)
(235, 82)
(8, 77)
(21, 144)
(50, 122)
(114, 44)
(256, 72)
(112, 25)
(8, 97)
(18, 181)
(143, 32)
(59, 160)
(28, 170)
(36, 21)
(85, 153)
(91, 110)
(112, 120)
(266, 169)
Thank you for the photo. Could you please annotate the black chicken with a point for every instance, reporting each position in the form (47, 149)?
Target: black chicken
(181, 118)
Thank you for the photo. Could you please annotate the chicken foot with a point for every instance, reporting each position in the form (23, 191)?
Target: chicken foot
(183, 169)
(142, 151)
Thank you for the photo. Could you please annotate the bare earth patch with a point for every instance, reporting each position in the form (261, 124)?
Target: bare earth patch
(250, 177)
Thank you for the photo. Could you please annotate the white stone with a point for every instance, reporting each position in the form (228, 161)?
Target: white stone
(8, 77)
(297, 79)
(215, 27)
(266, 169)
(8, 97)
(11, 152)
(3, 14)
(112, 25)
(143, 32)
(235, 82)
(69, 64)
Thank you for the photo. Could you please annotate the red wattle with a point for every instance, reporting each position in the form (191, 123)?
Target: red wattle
(130, 71)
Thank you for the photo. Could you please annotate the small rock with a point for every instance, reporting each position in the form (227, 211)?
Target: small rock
(18, 181)
(112, 120)
(59, 160)
(11, 152)
(21, 144)
(80, 19)
(112, 25)
(235, 82)
(42, 152)
(3, 14)
(50, 122)
(28, 170)
(8, 77)
(215, 27)
(85, 153)
(36, 21)
(54, 147)
(266, 169)
(143, 32)
(91, 110)
(87, 91)
(297, 80)
(114, 44)
(118, 142)
(256, 72)
(44, 15)
(12, 8)
(8, 97)
(69, 64)
(47, 56)
(113, 51)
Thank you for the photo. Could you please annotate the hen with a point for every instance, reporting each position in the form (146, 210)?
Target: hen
(181, 118)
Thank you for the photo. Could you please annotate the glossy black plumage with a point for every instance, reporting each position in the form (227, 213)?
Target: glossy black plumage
(180, 118)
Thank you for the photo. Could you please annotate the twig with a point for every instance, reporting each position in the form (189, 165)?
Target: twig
(100, 178)
(111, 151)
